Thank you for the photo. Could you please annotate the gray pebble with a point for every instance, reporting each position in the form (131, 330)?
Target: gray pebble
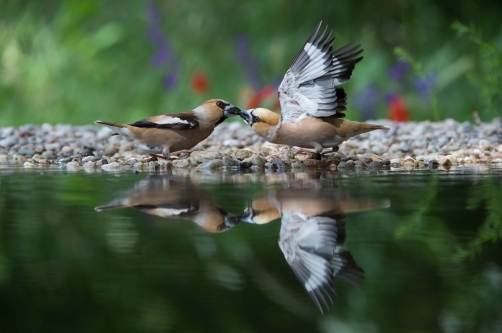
(375, 165)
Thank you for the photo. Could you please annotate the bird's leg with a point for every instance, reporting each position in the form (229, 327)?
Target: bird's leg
(166, 153)
(334, 150)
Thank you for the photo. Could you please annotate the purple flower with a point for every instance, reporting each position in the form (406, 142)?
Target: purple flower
(366, 101)
(165, 53)
(425, 86)
(250, 63)
(170, 80)
(398, 70)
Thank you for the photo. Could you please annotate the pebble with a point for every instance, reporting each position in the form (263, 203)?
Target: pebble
(412, 145)
(110, 166)
(72, 166)
(242, 154)
(184, 163)
(210, 165)
(375, 165)
(314, 163)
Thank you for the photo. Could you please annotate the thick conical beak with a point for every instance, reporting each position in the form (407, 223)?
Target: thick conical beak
(247, 115)
(231, 110)
(249, 215)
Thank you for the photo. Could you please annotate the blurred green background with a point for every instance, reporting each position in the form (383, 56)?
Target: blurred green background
(78, 61)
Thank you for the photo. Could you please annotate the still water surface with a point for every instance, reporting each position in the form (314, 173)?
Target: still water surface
(229, 252)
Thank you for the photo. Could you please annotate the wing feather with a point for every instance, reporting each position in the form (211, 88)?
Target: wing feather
(177, 121)
(309, 85)
(311, 246)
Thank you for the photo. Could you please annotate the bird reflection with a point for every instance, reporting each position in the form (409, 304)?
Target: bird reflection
(313, 225)
(313, 229)
(175, 198)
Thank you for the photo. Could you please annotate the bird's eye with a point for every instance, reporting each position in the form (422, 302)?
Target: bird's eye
(256, 119)
(220, 104)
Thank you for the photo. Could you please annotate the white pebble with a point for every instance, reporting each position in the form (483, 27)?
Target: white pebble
(110, 166)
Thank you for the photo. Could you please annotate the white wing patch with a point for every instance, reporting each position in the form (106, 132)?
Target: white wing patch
(171, 211)
(171, 120)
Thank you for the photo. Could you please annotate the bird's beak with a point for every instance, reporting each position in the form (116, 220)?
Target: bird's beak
(231, 110)
(231, 221)
(247, 116)
(249, 214)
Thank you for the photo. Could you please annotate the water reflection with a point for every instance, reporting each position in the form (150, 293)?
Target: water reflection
(175, 198)
(313, 230)
(313, 221)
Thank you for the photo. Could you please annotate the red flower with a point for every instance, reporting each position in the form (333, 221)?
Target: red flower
(266, 97)
(200, 83)
(398, 111)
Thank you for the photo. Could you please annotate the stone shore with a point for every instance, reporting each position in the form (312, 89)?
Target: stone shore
(233, 145)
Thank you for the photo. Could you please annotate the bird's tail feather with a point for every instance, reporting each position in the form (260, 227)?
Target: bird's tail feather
(110, 206)
(106, 123)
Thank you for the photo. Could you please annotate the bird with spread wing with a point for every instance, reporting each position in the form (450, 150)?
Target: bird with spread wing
(312, 103)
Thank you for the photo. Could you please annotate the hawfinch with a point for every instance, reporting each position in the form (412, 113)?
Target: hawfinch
(167, 133)
(173, 198)
(311, 103)
(312, 232)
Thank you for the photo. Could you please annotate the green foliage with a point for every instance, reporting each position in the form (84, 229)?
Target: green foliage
(78, 61)
(419, 70)
(487, 194)
(488, 78)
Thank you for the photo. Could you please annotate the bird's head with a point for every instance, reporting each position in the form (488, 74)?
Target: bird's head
(259, 115)
(216, 110)
(252, 215)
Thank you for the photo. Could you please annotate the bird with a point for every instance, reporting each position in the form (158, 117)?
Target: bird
(313, 230)
(175, 198)
(171, 132)
(312, 103)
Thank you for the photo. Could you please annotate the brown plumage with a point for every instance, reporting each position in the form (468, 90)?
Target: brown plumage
(167, 133)
(313, 230)
(175, 199)
(312, 104)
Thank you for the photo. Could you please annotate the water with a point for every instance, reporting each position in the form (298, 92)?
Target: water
(428, 243)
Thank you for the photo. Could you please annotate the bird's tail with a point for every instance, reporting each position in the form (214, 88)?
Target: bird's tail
(111, 205)
(111, 125)
(348, 128)
(365, 127)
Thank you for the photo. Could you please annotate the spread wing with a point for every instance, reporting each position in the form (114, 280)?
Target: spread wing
(309, 86)
(311, 246)
(178, 121)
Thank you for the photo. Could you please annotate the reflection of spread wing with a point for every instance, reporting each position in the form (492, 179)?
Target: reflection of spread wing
(311, 247)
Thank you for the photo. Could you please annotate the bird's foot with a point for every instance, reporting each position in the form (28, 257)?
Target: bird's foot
(284, 152)
(333, 150)
(185, 152)
(154, 158)
(307, 151)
